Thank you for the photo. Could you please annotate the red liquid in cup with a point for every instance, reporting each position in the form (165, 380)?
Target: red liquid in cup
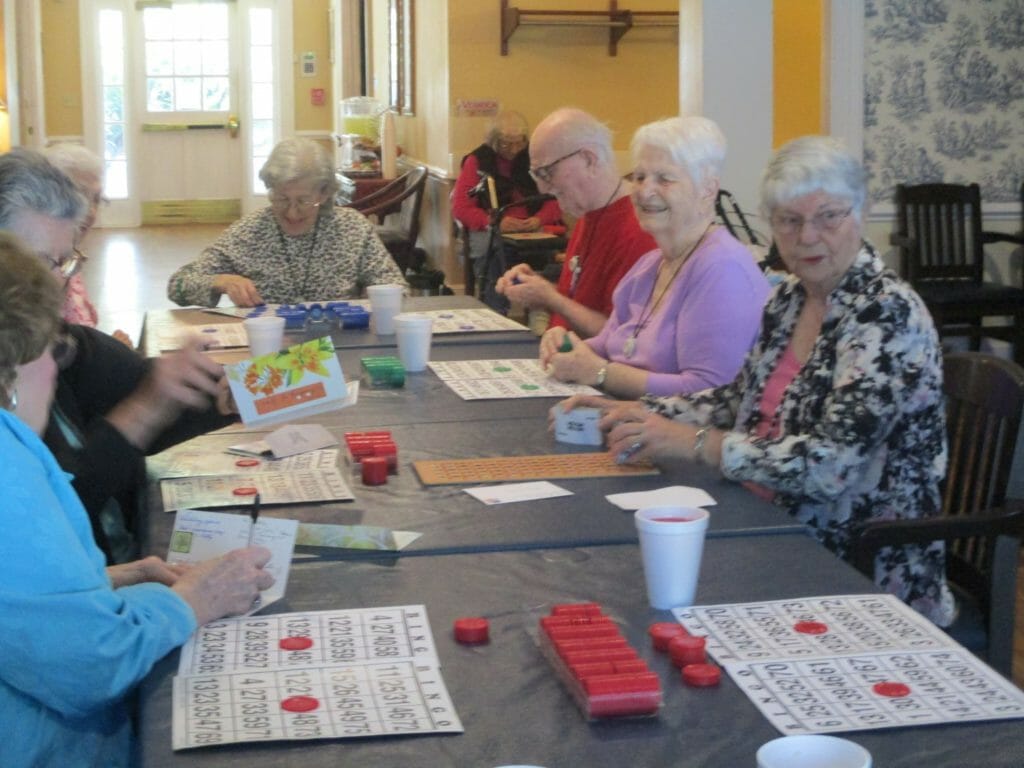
(674, 519)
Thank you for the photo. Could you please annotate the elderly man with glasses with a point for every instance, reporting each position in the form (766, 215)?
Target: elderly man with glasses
(299, 248)
(572, 159)
(111, 406)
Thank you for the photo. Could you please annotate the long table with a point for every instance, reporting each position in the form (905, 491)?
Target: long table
(514, 709)
(351, 338)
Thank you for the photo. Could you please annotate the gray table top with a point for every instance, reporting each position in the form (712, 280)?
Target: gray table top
(513, 707)
(350, 338)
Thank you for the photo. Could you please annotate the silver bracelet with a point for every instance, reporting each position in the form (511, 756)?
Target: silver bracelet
(698, 443)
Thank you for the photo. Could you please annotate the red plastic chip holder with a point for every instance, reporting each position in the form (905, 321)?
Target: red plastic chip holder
(595, 662)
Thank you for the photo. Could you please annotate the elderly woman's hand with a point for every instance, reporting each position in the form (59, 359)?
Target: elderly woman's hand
(149, 569)
(580, 401)
(579, 364)
(652, 438)
(241, 290)
(512, 224)
(227, 585)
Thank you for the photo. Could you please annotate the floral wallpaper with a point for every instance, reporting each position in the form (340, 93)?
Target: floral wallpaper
(944, 95)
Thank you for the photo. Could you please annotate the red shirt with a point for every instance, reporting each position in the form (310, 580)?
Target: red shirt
(608, 242)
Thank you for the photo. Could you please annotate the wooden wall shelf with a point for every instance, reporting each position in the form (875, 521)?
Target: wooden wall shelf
(618, 21)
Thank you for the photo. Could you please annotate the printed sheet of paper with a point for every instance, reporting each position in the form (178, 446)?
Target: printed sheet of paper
(311, 675)
(301, 381)
(238, 490)
(370, 537)
(511, 492)
(849, 663)
(670, 496)
(470, 321)
(213, 335)
(503, 379)
(199, 535)
(195, 463)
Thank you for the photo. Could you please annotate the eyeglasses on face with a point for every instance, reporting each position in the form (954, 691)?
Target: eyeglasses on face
(283, 204)
(823, 221)
(546, 172)
(66, 266)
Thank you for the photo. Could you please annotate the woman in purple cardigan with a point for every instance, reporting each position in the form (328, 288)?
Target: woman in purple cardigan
(686, 314)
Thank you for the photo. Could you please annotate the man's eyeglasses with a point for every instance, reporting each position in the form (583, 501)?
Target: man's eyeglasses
(546, 172)
(66, 266)
(825, 221)
(283, 205)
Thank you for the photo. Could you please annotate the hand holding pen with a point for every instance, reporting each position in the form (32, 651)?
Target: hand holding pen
(254, 513)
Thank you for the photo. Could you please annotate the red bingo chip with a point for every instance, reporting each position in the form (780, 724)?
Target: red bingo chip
(295, 643)
(472, 630)
(246, 491)
(663, 631)
(702, 675)
(247, 463)
(892, 690)
(299, 704)
(810, 627)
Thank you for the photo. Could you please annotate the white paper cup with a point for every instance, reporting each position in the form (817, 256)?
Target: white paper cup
(671, 544)
(385, 303)
(266, 334)
(414, 332)
(812, 751)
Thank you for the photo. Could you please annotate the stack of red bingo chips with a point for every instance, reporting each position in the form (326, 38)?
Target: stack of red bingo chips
(602, 671)
(376, 454)
(687, 652)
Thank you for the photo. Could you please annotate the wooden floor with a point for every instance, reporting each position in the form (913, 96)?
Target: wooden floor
(127, 274)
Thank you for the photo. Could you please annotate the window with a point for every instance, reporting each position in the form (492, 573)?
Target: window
(187, 55)
(115, 156)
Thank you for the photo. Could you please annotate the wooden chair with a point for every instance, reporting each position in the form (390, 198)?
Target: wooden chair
(941, 243)
(396, 208)
(982, 530)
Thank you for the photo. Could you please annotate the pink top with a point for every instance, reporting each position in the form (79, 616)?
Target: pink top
(77, 307)
(774, 389)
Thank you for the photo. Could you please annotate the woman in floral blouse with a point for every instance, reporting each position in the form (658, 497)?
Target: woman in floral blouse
(837, 414)
(299, 248)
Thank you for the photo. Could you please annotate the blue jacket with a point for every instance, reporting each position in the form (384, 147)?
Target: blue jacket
(72, 649)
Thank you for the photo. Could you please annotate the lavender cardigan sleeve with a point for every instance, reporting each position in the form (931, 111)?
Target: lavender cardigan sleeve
(702, 328)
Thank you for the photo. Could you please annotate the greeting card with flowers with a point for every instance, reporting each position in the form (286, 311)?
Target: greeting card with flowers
(296, 382)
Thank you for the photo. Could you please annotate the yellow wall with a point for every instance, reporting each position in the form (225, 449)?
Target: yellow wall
(311, 32)
(62, 60)
(551, 67)
(62, 81)
(798, 69)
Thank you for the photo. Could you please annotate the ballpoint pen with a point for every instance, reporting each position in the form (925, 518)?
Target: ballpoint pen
(254, 514)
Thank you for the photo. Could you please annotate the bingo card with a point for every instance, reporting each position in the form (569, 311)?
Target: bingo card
(312, 675)
(849, 663)
(503, 379)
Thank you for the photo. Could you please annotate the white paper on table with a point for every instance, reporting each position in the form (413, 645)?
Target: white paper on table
(510, 492)
(672, 496)
(213, 336)
(238, 490)
(298, 438)
(503, 379)
(200, 535)
(197, 463)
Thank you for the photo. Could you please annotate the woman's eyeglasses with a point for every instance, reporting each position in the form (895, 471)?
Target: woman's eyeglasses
(283, 205)
(546, 172)
(825, 221)
(66, 266)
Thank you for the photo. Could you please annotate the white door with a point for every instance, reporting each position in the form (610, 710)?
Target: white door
(183, 100)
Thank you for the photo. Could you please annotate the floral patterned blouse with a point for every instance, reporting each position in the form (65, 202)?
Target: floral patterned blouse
(862, 425)
(337, 260)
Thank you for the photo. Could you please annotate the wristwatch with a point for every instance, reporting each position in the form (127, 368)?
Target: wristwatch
(698, 443)
(602, 374)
